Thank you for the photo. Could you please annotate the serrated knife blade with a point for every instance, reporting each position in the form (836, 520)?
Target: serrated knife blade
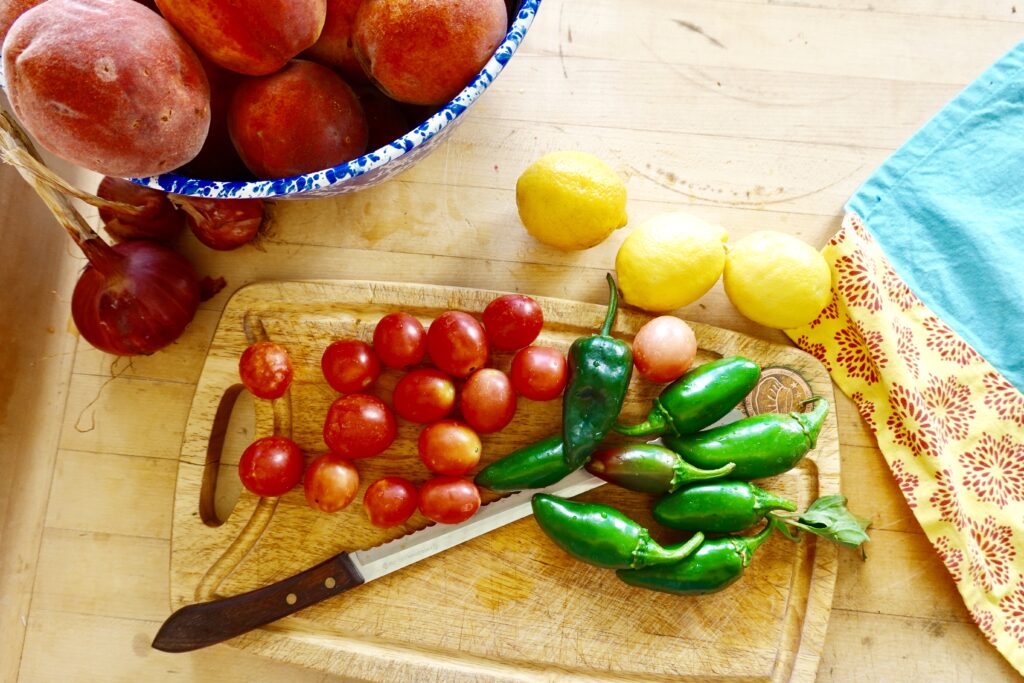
(203, 624)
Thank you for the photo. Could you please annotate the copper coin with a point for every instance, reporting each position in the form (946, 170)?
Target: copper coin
(780, 390)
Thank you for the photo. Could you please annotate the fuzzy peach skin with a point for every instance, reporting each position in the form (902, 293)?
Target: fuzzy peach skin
(253, 38)
(11, 10)
(303, 118)
(426, 51)
(108, 85)
(334, 46)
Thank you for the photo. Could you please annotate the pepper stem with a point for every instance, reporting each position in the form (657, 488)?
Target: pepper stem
(765, 500)
(613, 306)
(654, 425)
(649, 552)
(748, 545)
(813, 421)
(686, 473)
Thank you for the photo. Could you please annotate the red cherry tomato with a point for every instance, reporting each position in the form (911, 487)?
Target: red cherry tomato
(423, 396)
(449, 447)
(512, 321)
(399, 340)
(449, 500)
(487, 401)
(390, 501)
(271, 466)
(539, 372)
(331, 483)
(457, 343)
(350, 366)
(265, 369)
(359, 426)
(664, 348)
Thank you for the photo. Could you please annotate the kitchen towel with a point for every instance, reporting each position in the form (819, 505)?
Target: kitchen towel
(925, 333)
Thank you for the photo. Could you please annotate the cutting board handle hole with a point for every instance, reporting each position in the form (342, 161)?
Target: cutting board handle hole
(233, 427)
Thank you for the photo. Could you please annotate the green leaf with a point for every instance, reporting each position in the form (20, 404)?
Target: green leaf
(829, 518)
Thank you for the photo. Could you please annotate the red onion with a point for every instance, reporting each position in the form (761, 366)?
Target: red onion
(133, 298)
(153, 217)
(222, 224)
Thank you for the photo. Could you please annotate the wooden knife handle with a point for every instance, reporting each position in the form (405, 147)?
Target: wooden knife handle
(206, 623)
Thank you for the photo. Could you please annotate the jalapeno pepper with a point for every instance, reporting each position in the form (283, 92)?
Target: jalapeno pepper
(649, 468)
(716, 564)
(719, 507)
(599, 370)
(531, 467)
(603, 536)
(698, 398)
(761, 446)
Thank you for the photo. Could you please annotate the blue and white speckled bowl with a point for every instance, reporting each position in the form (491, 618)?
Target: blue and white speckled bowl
(373, 167)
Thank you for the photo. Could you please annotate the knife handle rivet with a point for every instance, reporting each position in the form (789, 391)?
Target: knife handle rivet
(291, 598)
(330, 582)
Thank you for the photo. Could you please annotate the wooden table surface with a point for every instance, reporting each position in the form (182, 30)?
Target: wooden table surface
(758, 114)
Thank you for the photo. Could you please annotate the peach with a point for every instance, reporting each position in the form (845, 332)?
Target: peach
(218, 160)
(254, 38)
(108, 85)
(426, 51)
(384, 117)
(334, 47)
(303, 118)
(11, 10)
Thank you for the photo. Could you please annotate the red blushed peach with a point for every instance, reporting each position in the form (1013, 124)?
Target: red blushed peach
(108, 85)
(426, 51)
(218, 160)
(11, 10)
(334, 46)
(253, 38)
(303, 118)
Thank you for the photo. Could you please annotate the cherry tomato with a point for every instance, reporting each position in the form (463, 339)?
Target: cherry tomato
(457, 343)
(487, 401)
(390, 501)
(331, 483)
(399, 340)
(265, 369)
(449, 447)
(449, 500)
(664, 349)
(350, 366)
(539, 372)
(271, 466)
(512, 321)
(423, 396)
(359, 426)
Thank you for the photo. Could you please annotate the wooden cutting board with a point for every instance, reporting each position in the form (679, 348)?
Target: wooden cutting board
(508, 606)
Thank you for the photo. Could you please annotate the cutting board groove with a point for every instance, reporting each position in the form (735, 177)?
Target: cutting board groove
(505, 607)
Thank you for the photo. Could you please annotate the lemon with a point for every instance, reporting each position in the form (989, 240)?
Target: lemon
(571, 200)
(777, 280)
(669, 261)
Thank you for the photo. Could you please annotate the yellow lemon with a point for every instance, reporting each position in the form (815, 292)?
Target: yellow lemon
(669, 261)
(777, 280)
(571, 200)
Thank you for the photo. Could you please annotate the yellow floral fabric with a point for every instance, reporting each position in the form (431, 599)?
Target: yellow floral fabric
(950, 426)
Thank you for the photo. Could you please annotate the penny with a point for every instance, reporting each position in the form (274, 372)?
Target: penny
(780, 390)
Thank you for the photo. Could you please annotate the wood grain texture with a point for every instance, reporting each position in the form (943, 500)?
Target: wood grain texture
(505, 606)
(806, 95)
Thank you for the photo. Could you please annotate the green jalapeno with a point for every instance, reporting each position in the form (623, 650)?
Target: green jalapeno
(717, 563)
(719, 507)
(599, 370)
(698, 398)
(761, 446)
(603, 536)
(649, 468)
(531, 467)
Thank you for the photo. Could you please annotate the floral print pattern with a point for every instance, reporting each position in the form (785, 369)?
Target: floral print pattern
(950, 426)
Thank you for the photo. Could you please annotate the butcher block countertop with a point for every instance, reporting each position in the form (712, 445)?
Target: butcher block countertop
(757, 114)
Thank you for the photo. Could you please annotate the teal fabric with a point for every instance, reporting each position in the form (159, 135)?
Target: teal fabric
(947, 209)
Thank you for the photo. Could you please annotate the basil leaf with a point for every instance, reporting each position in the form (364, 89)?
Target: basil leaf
(829, 518)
